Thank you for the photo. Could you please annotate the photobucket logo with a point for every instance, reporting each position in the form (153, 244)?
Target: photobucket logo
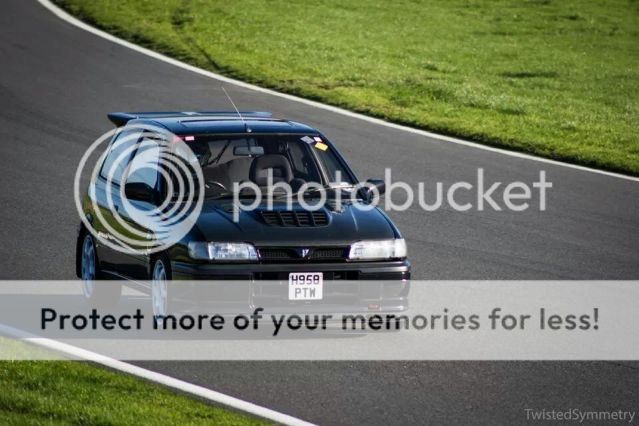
(459, 196)
(463, 196)
(127, 209)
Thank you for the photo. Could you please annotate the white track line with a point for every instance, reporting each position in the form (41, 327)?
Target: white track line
(217, 397)
(74, 21)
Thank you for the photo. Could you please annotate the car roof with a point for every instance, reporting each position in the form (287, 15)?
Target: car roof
(207, 122)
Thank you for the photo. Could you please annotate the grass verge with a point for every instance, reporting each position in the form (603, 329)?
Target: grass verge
(69, 392)
(555, 78)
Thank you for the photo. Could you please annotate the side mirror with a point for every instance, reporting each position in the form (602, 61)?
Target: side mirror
(373, 184)
(139, 191)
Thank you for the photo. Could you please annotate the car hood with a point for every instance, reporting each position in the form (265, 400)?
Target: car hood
(346, 225)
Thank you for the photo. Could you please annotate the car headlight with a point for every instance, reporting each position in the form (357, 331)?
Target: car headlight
(381, 249)
(222, 251)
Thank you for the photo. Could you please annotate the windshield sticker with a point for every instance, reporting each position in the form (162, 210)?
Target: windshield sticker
(307, 139)
(317, 139)
(321, 146)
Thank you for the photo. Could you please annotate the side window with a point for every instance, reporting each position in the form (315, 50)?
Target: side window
(116, 160)
(144, 166)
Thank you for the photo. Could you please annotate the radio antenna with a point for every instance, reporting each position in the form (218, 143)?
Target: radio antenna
(234, 107)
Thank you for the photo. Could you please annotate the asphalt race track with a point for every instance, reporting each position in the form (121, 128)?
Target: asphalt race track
(57, 83)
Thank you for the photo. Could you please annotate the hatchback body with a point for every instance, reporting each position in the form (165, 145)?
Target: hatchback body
(342, 256)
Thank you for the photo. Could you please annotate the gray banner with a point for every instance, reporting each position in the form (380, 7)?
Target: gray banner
(345, 320)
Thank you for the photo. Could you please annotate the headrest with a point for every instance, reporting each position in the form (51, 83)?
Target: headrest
(260, 166)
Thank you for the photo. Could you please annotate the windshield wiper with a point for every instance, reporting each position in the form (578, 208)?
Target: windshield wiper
(230, 194)
(329, 187)
(316, 190)
(250, 194)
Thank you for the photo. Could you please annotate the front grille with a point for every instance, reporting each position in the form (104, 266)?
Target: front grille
(294, 254)
(300, 218)
(327, 254)
(277, 255)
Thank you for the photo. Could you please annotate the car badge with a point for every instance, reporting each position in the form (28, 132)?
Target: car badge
(303, 253)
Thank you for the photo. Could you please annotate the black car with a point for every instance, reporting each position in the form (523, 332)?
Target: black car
(338, 257)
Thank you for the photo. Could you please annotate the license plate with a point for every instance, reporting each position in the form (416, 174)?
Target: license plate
(305, 285)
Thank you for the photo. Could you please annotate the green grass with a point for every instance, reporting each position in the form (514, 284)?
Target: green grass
(69, 392)
(555, 78)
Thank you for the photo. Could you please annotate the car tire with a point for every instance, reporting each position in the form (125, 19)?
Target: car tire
(160, 277)
(97, 290)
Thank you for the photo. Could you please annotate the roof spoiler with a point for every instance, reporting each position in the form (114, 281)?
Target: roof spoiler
(121, 118)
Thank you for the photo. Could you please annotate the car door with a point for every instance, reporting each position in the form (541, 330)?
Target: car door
(106, 192)
(142, 169)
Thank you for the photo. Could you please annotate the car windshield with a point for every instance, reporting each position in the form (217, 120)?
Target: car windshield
(291, 159)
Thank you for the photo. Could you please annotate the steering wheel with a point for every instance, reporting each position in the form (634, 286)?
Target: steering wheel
(216, 183)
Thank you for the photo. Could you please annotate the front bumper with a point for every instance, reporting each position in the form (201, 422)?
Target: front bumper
(349, 287)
